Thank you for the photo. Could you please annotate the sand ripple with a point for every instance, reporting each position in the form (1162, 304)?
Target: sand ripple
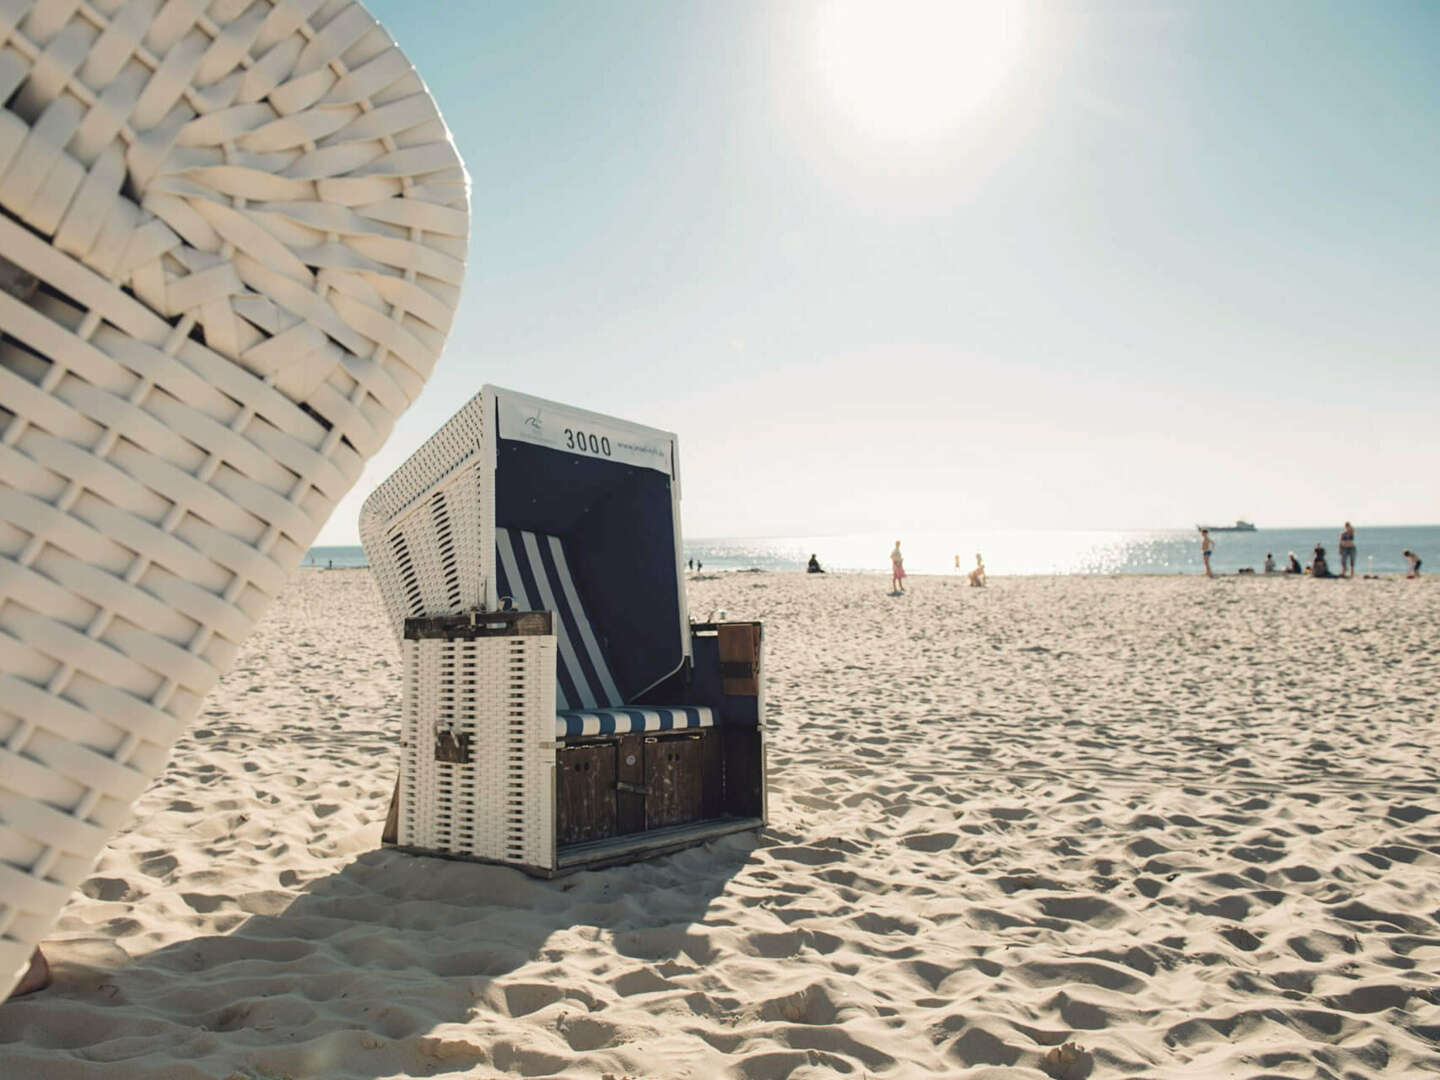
(1191, 826)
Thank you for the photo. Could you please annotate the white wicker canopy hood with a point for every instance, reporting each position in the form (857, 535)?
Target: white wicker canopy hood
(232, 237)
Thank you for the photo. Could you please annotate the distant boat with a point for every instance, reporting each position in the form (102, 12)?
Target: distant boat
(1239, 526)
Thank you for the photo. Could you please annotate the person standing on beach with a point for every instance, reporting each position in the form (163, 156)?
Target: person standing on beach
(897, 570)
(1206, 547)
(1347, 551)
(1411, 558)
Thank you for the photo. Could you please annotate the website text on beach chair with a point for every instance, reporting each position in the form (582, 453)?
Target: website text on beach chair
(560, 709)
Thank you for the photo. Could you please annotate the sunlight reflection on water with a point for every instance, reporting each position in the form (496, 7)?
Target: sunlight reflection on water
(1035, 551)
(1005, 552)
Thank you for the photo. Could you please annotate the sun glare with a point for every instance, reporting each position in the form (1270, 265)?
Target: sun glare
(914, 70)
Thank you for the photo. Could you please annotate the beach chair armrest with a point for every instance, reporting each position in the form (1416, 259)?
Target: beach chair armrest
(478, 624)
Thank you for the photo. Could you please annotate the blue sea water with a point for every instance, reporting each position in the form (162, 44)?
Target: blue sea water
(1039, 551)
(336, 557)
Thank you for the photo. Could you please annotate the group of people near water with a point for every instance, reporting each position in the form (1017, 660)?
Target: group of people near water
(897, 570)
(1319, 562)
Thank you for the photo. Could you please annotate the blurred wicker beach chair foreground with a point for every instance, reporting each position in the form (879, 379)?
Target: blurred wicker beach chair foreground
(231, 244)
(560, 708)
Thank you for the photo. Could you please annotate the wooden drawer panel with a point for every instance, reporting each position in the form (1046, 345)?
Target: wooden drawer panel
(585, 794)
(674, 775)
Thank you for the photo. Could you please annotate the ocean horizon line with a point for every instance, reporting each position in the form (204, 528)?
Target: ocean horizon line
(698, 538)
(1007, 552)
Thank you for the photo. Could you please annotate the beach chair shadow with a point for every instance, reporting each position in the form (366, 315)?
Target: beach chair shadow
(355, 975)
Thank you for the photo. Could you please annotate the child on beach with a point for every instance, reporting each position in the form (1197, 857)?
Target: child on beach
(977, 576)
(1206, 547)
(1414, 561)
(897, 570)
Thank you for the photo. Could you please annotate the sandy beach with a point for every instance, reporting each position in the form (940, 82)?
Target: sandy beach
(1192, 826)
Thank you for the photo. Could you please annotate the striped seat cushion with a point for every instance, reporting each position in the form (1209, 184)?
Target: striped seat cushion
(532, 570)
(576, 723)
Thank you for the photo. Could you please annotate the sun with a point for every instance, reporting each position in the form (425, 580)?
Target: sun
(914, 70)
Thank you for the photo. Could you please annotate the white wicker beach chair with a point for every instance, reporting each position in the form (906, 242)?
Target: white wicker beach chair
(232, 236)
(560, 708)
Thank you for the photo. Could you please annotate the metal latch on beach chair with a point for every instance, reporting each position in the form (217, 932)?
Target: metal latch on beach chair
(452, 748)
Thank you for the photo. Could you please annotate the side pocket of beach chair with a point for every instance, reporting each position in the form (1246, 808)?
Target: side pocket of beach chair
(729, 673)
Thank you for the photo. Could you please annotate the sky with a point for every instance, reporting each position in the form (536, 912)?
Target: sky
(934, 265)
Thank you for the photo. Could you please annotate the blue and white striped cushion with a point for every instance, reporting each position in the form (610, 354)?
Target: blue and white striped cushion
(576, 723)
(533, 572)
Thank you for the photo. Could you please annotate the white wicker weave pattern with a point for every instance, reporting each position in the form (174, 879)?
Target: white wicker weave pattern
(233, 235)
(501, 692)
(429, 529)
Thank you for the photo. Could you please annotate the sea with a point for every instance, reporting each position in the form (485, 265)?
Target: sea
(1038, 551)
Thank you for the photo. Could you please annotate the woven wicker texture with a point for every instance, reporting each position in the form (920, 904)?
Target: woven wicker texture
(500, 692)
(232, 236)
(429, 529)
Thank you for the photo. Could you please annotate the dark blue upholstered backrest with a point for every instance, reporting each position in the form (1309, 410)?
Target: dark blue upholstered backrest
(532, 569)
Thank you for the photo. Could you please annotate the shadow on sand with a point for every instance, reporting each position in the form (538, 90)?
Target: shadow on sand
(357, 976)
